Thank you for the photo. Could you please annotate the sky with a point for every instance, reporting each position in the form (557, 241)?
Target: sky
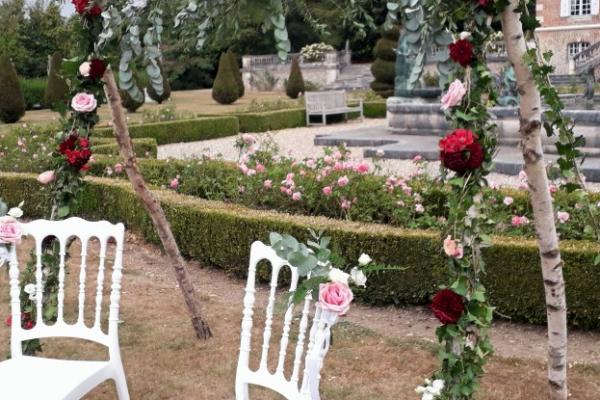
(67, 8)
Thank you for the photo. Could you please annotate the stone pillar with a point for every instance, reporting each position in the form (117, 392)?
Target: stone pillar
(332, 67)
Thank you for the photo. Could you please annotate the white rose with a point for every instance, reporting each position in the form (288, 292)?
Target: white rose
(85, 68)
(358, 277)
(465, 35)
(437, 386)
(15, 212)
(29, 288)
(427, 396)
(139, 3)
(337, 275)
(364, 259)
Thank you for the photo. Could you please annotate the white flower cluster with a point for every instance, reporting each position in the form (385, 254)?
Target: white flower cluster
(431, 390)
(356, 275)
(315, 52)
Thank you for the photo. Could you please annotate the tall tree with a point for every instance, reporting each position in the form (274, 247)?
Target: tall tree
(541, 201)
(12, 21)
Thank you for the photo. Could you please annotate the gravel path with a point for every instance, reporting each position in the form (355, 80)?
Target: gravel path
(299, 143)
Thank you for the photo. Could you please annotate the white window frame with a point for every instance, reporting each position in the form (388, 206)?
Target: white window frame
(565, 8)
(581, 8)
(580, 47)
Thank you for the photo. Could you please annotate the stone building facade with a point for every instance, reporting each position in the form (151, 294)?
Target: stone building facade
(568, 27)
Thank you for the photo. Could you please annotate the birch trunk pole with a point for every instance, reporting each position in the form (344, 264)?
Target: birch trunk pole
(152, 205)
(541, 201)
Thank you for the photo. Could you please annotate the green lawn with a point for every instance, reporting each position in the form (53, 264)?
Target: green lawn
(190, 102)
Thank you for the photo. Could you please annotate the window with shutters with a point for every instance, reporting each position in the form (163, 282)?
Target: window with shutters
(581, 7)
(575, 48)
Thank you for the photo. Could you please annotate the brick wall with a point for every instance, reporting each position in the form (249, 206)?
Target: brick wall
(548, 11)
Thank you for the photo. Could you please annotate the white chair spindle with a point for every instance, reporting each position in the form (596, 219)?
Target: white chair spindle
(82, 278)
(269, 318)
(61, 281)
(100, 284)
(287, 322)
(301, 339)
(15, 301)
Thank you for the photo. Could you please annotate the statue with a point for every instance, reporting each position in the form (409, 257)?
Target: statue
(506, 82)
(590, 83)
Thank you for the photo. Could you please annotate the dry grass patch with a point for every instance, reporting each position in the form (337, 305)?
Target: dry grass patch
(163, 359)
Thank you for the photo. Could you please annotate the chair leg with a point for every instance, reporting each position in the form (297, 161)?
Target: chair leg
(241, 391)
(121, 384)
(324, 119)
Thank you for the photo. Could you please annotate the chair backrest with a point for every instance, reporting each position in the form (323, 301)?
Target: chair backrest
(330, 100)
(64, 231)
(311, 351)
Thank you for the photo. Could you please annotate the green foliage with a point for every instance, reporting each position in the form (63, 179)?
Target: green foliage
(237, 73)
(225, 88)
(33, 92)
(57, 90)
(12, 102)
(374, 109)
(181, 131)
(295, 82)
(383, 68)
(166, 88)
(143, 147)
(513, 280)
(272, 120)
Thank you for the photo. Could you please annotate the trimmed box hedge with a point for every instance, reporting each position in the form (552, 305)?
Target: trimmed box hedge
(220, 234)
(143, 147)
(375, 109)
(181, 131)
(272, 120)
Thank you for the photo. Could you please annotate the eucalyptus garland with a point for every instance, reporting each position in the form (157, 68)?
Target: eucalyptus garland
(466, 156)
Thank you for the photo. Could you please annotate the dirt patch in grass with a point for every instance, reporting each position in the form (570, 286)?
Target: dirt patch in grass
(163, 359)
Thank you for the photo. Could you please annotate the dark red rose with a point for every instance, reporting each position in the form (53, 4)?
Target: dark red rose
(80, 5)
(447, 306)
(68, 144)
(461, 52)
(78, 158)
(84, 142)
(97, 68)
(484, 3)
(95, 10)
(465, 160)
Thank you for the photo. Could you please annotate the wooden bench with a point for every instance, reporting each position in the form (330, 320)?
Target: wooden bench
(329, 103)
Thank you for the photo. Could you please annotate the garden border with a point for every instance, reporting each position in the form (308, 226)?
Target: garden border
(205, 230)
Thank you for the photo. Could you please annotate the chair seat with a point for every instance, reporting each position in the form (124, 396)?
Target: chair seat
(36, 378)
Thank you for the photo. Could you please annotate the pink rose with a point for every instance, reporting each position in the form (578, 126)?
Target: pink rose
(10, 230)
(260, 168)
(508, 201)
(46, 177)
(297, 196)
(552, 188)
(452, 248)
(85, 69)
(327, 190)
(118, 168)
(346, 204)
(174, 183)
(343, 181)
(380, 153)
(454, 96)
(335, 296)
(328, 159)
(362, 167)
(251, 172)
(84, 102)
(248, 139)
(268, 184)
(519, 220)
(562, 216)
(338, 166)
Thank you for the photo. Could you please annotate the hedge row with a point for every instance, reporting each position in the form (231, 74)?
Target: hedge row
(375, 109)
(143, 147)
(272, 120)
(181, 131)
(220, 234)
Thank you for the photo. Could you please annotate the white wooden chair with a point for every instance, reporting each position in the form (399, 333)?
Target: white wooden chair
(316, 348)
(36, 378)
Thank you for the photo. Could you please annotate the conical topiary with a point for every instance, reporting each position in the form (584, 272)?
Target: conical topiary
(236, 73)
(225, 89)
(57, 90)
(295, 82)
(12, 102)
(166, 88)
(384, 66)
